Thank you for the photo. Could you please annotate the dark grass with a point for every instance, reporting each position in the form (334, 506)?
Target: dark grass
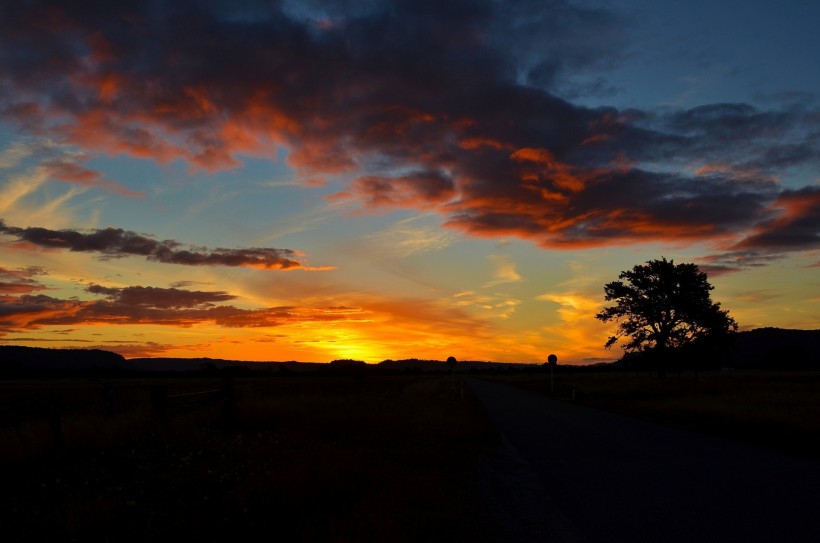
(776, 410)
(382, 458)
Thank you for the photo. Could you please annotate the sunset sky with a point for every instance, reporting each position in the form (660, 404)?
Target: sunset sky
(314, 180)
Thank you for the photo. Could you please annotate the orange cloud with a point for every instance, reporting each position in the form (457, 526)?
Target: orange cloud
(421, 189)
(73, 172)
(156, 306)
(794, 227)
(20, 281)
(473, 143)
(562, 176)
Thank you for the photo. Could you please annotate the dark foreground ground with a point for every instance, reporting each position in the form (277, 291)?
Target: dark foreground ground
(613, 478)
(406, 458)
(303, 459)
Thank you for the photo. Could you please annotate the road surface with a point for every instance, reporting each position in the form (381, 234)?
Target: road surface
(613, 478)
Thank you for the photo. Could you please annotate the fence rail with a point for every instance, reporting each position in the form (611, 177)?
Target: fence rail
(51, 406)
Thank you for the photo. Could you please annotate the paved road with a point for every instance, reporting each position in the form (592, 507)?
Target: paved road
(613, 478)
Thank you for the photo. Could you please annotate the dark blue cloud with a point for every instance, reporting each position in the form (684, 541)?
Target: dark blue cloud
(475, 94)
(118, 243)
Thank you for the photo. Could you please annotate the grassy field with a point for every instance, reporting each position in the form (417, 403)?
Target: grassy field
(311, 457)
(379, 458)
(775, 410)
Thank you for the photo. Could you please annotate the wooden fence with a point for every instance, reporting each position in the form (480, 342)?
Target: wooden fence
(162, 403)
(52, 406)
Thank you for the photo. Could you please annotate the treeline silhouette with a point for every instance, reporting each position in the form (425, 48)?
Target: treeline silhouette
(762, 349)
(774, 349)
(36, 362)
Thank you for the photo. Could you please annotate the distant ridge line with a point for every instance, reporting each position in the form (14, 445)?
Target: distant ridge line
(759, 348)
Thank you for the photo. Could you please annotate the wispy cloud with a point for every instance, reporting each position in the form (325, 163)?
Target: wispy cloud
(20, 281)
(59, 162)
(17, 188)
(793, 226)
(492, 305)
(577, 329)
(72, 170)
(757, 296)
(409, 236)
(504, 270)
(13, 154)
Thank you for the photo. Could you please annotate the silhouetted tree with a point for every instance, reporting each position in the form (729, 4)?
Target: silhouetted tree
(661, 305)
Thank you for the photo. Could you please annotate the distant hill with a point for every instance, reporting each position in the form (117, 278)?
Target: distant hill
(762, 348)
(206, 364)
(414, 364)
(777, 348)
(15, 359)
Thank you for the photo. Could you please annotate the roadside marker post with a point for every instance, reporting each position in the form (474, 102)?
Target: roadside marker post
(451, 363)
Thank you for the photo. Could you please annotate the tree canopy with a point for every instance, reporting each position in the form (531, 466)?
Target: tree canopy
(661, 304)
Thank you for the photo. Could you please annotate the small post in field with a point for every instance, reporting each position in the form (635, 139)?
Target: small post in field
(451, 363)
(553, 361)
